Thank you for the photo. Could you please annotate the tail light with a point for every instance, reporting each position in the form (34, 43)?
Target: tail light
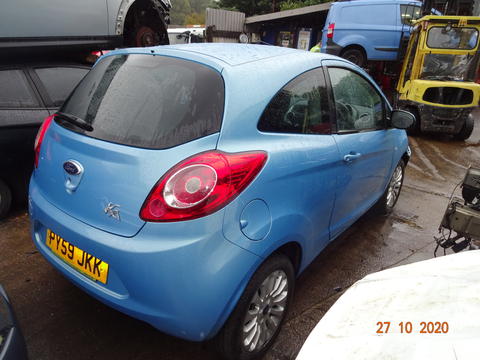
(201, 185)
(330, 29)
(39, 138)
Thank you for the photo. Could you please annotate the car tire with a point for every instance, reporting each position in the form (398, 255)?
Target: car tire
(466, 130)
(386, 203)
(5, 199)
(260, 311)
(355, 55)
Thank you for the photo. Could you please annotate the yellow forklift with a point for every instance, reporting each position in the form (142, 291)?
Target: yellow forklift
(437, 80)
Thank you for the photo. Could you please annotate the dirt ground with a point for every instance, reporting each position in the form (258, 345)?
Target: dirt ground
(59, 321)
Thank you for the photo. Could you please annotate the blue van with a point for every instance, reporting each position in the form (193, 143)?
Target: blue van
(364, 30)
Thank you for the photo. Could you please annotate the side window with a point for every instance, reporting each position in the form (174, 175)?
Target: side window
(15, 90)
(60, 81)
(358, 105)
(300, 107)
(409, 13)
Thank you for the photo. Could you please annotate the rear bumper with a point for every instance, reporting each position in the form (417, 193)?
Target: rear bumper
(332, 48)
(183, 278)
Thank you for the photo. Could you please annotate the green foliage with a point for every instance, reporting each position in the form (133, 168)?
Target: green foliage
(249, 7)
(292, 4)
(195, 19)
(186, 12)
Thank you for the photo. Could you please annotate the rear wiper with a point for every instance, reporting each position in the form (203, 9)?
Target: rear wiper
(75, 121)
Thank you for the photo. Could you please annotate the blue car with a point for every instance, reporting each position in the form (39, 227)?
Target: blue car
(365, 30)
(189, 185)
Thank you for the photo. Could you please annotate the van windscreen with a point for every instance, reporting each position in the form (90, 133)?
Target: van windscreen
(146, 101)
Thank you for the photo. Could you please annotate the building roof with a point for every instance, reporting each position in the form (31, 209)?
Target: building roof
(288, 13)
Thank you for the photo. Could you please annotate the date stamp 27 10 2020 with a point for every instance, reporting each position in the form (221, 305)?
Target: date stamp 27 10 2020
(407, 327)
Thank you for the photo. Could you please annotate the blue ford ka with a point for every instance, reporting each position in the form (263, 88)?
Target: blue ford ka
(188, 186)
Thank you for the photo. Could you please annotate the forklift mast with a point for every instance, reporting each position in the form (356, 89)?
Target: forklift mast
(449, 7)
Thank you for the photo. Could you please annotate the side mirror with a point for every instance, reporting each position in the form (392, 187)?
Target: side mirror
(402, 119)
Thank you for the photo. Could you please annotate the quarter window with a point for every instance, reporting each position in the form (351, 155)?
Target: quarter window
(300, 107)
(358, 105)
(15, 90)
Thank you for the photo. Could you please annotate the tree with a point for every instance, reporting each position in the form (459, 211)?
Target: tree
(249, 7)
(195, 19)
(185, 12)
(180, 9)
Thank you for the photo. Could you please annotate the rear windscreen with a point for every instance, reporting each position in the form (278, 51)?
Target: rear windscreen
(147, 101)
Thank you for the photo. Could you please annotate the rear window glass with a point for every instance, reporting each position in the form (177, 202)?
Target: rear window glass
(147, 101)
(15, 92)
(60, 81)
(452, 38)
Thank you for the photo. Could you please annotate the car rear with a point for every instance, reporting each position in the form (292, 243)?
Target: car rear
(127, 193)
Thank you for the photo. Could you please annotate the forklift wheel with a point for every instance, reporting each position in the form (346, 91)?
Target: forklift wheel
(5, 199)
(415, 128)
(467, 129)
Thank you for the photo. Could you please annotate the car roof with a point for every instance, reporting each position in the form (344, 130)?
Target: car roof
(222, 54)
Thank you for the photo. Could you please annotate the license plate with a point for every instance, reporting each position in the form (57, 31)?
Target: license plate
(87, 264)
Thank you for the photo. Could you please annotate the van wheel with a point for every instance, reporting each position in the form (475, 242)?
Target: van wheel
(255, 322)
(385, 204)
(466, 130)
(355, 55)
(5, 199)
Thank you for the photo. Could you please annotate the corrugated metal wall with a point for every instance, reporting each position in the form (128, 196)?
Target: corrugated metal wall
(226, 25)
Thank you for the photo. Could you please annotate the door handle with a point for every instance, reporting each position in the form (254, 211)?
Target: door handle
(351, 157)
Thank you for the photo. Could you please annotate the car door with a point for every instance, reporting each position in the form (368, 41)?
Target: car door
(55, 83)
(21, 111)
(295, 130)
(53, 18)
(364, 143)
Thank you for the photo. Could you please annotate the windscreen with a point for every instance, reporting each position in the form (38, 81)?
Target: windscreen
(147, 101)
(449, 67)
(452, 38)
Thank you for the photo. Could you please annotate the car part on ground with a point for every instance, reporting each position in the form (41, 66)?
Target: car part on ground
(166, 190)
(462, 217)
(12, 344)
(428, 309)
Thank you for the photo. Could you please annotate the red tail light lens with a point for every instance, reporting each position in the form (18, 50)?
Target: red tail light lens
(330, 29)
(201, 185)
(39, 138)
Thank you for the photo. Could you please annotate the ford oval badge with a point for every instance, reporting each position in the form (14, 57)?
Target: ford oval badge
(72, 167)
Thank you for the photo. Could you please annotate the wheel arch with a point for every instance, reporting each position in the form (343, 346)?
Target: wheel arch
(292, 250)
(127, 9)
(354, 46)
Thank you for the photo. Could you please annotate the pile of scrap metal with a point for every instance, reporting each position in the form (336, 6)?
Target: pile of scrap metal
(462, 216)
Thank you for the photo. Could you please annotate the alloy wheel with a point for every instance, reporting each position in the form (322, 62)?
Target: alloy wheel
(265, 312)
(395, 186)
